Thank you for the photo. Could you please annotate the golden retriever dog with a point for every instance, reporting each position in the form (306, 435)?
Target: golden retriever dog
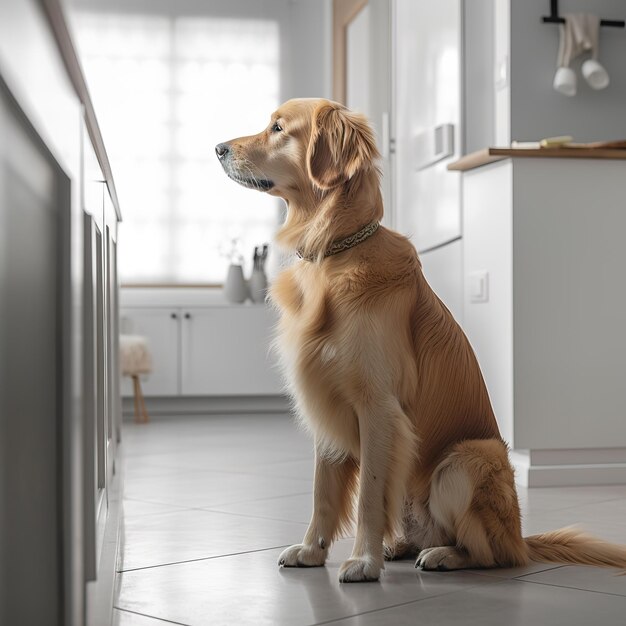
(380, 371)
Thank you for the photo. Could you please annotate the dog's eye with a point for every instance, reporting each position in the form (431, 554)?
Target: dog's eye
(276, 127)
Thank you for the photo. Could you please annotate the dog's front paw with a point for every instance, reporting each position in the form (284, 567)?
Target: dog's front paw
(359, 570)
(302, 555)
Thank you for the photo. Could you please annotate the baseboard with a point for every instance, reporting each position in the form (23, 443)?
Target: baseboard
(164, 407)
(100, 592)
(569, 468)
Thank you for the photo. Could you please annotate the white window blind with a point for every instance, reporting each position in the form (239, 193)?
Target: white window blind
(166, 90)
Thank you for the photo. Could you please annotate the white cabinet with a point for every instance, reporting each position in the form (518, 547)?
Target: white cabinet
(225, 351)
(58, 331)
(488, 253)
(161, 327)
(221, 350)
(544, 301)
(101, 408)
(443, 269)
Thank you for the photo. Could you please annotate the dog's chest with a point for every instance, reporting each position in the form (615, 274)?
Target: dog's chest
(319, 374)
(318, 352)
(312, 339)
(314, 329)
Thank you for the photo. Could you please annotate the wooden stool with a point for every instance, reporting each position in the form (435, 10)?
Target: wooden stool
(135, 359)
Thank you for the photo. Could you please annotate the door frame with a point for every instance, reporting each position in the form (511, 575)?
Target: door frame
(344, 11)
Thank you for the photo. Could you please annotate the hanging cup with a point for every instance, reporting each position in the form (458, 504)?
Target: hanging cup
(595, 74)
(565, 81)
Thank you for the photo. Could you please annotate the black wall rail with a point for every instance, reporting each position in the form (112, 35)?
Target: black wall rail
(554, 17)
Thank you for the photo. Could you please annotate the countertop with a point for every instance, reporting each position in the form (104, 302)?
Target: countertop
(490, 155)
(155, 297)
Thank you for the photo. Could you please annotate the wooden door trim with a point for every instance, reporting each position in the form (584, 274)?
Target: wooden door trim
(344, 11)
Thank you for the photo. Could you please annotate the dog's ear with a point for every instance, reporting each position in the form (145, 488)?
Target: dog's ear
(341, 144)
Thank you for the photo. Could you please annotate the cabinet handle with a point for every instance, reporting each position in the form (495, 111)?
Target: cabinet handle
(174, 316)
(187, 316)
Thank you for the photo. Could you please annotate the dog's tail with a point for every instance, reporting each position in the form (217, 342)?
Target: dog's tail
(571, 545)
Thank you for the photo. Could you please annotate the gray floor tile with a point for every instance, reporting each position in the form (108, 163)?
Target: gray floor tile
(134, 508)
(138, 468)
(199, 489)
(126, 618)
(292, 508)
(302, 469)
(605, 519)
(251, 589)
(193, 534)
(204, 442)
(516, 572)
(542, 499)
(204, 489)
(510, 603)
(243, 457)
(587, 578)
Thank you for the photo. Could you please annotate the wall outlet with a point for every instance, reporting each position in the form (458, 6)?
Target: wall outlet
(479, 286)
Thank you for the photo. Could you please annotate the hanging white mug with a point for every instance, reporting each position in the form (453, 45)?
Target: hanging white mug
(565, 81)
(595, 74)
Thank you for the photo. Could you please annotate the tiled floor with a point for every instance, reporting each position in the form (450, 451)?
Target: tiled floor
(210, 503)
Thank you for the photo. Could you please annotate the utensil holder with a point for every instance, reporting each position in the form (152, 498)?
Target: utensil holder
(258, 285)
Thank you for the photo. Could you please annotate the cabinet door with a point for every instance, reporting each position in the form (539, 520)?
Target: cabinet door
(225, 352)
(488, 282)
(161, 327)
(443, 269)
(94, 451)
(37, 458)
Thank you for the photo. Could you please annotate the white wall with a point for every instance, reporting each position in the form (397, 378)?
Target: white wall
(310, 56)
(358, 62)
(478, 76)
(535, 110)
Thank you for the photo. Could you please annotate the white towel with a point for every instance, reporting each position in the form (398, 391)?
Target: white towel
(579, 34)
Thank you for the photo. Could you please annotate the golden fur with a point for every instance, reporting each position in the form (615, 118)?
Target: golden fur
(380, 371)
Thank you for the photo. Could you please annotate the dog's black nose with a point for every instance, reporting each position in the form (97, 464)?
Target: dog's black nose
(221, 150)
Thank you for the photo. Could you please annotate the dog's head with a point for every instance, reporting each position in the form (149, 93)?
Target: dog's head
(308, 144)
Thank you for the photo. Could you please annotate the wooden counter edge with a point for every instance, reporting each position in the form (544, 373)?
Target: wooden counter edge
(490, 155)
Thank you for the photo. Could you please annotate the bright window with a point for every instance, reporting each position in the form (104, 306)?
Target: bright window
(166, 90)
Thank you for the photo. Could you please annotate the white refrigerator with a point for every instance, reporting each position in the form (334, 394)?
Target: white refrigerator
(427, 91)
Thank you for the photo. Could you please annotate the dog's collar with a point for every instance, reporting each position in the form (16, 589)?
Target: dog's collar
(343, 244)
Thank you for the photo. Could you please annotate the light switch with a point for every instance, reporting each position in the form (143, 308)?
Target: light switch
(502, 73)
(479, 286)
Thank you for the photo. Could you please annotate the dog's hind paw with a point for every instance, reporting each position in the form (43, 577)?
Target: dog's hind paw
(441, 559)
(301, 555)
(399, 550)
(358, 570)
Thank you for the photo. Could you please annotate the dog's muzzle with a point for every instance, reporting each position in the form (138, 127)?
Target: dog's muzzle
(223, 152)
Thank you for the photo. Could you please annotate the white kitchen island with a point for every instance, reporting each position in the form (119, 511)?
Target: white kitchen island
(544, 307)
(60, 433)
